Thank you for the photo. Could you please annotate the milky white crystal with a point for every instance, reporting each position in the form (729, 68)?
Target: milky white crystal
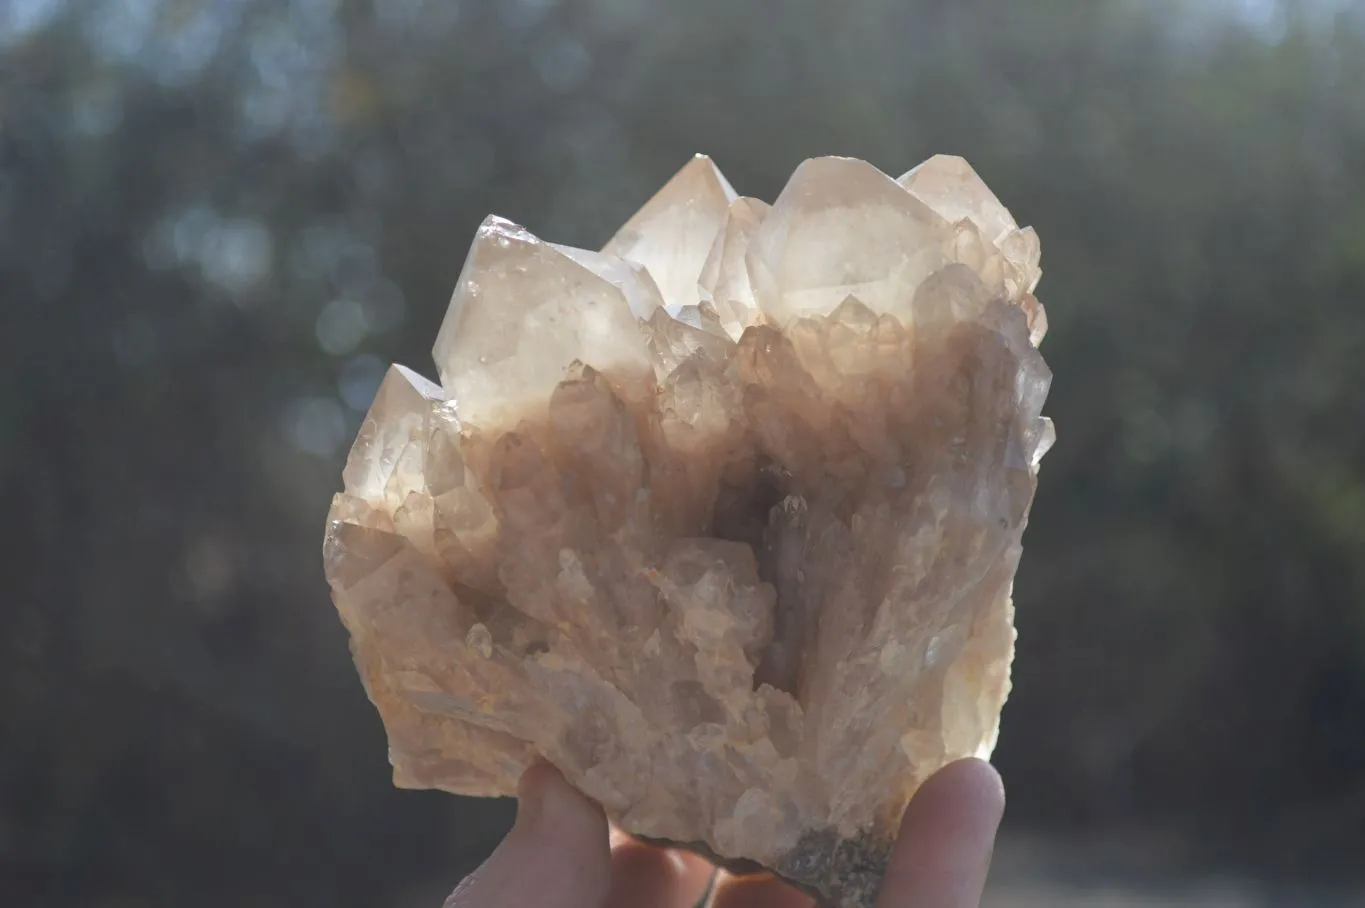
(722, 520)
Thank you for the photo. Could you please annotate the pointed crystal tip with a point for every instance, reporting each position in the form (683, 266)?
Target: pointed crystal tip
(672, 234)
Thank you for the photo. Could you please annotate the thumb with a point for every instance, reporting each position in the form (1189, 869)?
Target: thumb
(556, 855)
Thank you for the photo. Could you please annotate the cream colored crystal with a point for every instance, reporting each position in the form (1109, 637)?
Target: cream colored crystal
(632, 279)
(725, 282)
(842, 228)
(672, 235)
(522, 312)
(950, 186)
(722, 521)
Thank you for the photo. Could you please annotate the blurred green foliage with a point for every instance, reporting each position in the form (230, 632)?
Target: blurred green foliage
(220, 220)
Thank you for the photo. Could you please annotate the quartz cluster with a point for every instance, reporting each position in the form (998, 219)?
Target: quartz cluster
(721, 520)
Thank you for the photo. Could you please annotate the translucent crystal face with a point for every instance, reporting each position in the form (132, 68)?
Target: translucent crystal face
(721, 520)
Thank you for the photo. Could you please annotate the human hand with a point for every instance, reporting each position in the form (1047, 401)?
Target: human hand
(561, 854)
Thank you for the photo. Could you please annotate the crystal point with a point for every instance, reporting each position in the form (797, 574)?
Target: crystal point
(725, 276)
(722, 521)
(949, 185)
(397, 419)
(672, 234)
(522, 312)
(632, 279)
(841, 227)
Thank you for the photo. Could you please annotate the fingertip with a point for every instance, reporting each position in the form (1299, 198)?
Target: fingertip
(970, 788)
(556, 855)
(947, 836)
(545, 798)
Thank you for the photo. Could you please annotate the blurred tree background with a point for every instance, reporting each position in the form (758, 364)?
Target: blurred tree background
(221, 219)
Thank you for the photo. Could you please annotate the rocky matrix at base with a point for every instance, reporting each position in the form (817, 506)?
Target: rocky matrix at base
(722, 520)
